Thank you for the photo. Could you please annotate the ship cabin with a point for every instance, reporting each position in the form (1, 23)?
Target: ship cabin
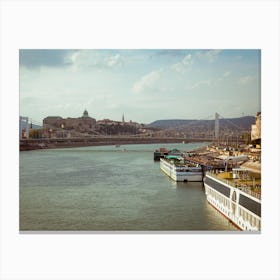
(243, 179)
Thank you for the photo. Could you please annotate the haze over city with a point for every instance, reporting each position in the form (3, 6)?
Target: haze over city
(145, 85)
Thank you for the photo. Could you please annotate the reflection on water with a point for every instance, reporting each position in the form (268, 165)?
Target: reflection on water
(109, 188)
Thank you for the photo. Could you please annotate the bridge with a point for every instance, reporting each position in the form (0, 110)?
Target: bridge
(98, 140)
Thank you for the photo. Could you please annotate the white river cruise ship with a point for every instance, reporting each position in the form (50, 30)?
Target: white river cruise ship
(179, 170)
(237, 195)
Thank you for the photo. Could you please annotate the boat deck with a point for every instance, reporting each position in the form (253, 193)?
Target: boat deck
(249, 182)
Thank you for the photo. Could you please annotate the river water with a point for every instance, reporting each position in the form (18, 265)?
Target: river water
(110, 188)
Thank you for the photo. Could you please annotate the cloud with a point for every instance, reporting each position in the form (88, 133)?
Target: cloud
(167, 89)
(85, 59)
(245, 80)
(238, 57)
(182, 66)
(170, 52)
(34, 58)
(202, 83)
(76, 59)
(227, 73)
(208, 55)
(68, 81)
(146, 82)
(187, 60)
(114, 60)
(178, 67)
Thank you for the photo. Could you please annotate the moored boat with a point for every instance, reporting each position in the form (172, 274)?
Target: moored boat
(237, 195)
(160, 153)
(179, 170)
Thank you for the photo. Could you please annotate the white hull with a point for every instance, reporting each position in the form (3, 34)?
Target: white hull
(191, 174)
(233, 203)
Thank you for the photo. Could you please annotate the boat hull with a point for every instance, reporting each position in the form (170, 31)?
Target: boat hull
(190, 175)
(240, 208)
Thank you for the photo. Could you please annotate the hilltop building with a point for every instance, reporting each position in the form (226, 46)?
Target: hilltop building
(85, 114)
(82, 124)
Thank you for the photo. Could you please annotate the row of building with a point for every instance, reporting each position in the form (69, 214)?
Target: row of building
(58, 127)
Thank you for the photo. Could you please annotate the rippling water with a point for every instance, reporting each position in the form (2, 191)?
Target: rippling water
(109, 188)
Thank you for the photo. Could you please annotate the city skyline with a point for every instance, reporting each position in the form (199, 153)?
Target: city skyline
(144, 85)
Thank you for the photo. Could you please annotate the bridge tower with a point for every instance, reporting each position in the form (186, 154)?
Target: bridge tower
(23, 127)
(217, 127)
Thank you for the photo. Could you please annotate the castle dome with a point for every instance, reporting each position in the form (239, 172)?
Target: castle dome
(85, 114)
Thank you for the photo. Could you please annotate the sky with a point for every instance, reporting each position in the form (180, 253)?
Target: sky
(145, 85)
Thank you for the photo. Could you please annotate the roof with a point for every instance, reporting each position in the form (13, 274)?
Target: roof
(174, 157)
(252, 166)
(53, 117)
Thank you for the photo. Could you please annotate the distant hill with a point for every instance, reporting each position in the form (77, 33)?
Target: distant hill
(35, 126)
(243, 123)
(169, 124)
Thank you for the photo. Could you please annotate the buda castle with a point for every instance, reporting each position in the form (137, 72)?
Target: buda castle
(58, 127)
(82, 124)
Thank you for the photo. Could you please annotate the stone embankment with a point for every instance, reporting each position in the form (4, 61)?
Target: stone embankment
(35, 144)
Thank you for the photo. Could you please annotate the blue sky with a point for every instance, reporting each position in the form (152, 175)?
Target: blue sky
(145, 85)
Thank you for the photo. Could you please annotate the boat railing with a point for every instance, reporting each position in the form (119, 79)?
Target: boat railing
(250, 192)
(242, 187)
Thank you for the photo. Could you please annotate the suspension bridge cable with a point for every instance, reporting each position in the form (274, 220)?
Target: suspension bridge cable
(231, 123)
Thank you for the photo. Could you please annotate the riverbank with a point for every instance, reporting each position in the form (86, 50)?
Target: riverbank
(35, 144)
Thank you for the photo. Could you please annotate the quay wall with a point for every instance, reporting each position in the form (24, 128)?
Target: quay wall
(33, 144)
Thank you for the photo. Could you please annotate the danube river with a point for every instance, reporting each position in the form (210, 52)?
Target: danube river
(110, 188)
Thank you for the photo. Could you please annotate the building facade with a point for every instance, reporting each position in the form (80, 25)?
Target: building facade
(57, 124)
(256, 128)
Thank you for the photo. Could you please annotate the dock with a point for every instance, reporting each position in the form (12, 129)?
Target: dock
(212, 158)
